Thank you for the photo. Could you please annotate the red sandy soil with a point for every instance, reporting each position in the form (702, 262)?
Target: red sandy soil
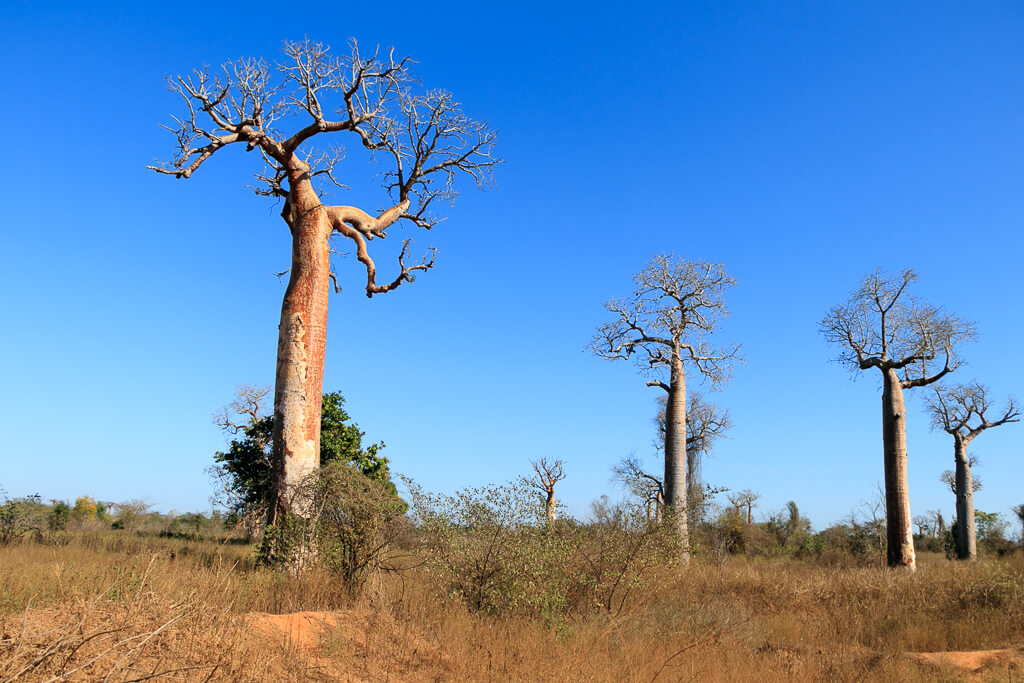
(355, 645)
(973, 660)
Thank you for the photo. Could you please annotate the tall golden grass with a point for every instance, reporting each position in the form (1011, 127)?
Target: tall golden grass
(119, 607)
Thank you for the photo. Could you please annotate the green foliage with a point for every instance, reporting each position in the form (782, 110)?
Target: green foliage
(189, 525)
(20, 516)
(491, 548)
(246, 471)
(353, 523)
(59, 516)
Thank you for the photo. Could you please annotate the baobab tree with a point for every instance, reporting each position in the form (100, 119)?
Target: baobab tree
(961, 411)
(664, 325)
(923, 524)
(745, 499)
(706, 422)
(882, 326)
(546, 475)
(423, 136)
(647, 487)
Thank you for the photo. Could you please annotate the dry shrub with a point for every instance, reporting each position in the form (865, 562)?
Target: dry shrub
(491, 548)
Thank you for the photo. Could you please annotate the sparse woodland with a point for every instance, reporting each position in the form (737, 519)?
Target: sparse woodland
(666, 577)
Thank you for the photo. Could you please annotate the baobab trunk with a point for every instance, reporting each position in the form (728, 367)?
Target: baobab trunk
(301, 345)
(675, 454)
(966, 537)
(549, 507)
(899, 534)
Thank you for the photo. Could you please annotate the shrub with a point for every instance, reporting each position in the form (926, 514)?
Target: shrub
(491, 548)
(353, 523)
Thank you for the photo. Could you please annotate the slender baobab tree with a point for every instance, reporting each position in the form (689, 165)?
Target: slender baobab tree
(422, 136)
(745, 499)
(882, 326)
(647, 487)
(705, 424)
(961, 412)
(665, 324)
(547, 473)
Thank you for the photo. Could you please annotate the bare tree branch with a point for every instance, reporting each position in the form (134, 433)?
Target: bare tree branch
(882, 326)
(953, 409)
(675, 306)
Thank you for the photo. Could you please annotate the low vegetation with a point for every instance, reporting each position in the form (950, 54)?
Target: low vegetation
(479, 587)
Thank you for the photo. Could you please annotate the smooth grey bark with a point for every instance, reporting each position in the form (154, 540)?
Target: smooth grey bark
(953, 409)
(966, 535)
(898, 531)
(881, 326)
(675, 454)
(675, 306)
(550, 508)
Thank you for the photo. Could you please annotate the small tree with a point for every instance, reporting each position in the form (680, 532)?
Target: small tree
(131, 513)
(961, 411)
(245, 471)
(376, 100)
(745, 499)
(665, 324)
(546, 475)
(630, 473)
(882, 326)
(85, 510)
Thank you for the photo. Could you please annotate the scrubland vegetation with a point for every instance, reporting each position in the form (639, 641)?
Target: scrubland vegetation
(476, 586)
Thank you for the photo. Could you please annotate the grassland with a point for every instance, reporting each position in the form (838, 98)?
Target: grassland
(118, 606)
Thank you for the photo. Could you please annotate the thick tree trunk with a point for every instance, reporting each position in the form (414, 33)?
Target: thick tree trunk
(899, 534)
(302, 336)
(550, 508)
(675, 455)
(966, 538)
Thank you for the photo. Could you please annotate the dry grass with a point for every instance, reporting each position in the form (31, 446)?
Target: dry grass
(111, 606)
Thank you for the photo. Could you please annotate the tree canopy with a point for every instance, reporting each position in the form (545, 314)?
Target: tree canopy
(246, 472)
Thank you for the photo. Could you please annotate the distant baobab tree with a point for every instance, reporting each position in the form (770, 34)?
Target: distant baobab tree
(961, 411)
(422, 135)
(664, 325)
(547, 473)
(882, 326)
(745, 499)
(646, 486)
(923, 524)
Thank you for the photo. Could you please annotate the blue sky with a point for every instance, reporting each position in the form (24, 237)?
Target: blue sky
(803, 145)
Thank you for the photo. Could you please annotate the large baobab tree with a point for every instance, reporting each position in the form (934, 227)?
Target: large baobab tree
(547, 473)
(664, 325)
(961, 411)
(283, 111)
(706, 422)
(882, 326)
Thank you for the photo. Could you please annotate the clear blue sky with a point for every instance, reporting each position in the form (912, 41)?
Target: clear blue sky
(802, 145)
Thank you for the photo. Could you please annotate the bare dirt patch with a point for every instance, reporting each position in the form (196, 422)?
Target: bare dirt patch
(353, 645)
(974, 661)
